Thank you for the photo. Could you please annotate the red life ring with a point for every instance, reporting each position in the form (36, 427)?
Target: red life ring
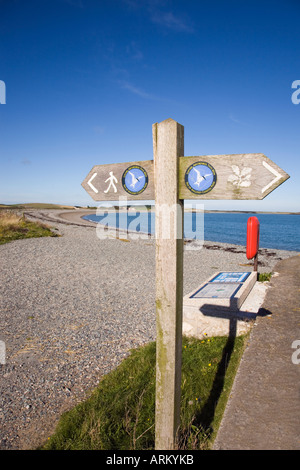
(252, 237)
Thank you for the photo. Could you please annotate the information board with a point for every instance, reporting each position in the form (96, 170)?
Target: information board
(214, 290)
(231, 277)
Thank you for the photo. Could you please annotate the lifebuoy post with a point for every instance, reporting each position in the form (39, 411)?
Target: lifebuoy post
(253, 240)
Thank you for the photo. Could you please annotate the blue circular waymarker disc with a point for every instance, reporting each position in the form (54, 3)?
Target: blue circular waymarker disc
(135, 179)
(200, 177)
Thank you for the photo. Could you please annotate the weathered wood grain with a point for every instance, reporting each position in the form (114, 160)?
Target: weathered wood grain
(240, 176)
(168, 142)
(99, 175)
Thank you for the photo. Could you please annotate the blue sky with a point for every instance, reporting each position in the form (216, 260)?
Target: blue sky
(85, 80)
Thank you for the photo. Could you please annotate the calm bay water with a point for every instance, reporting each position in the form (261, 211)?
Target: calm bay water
(278, 231)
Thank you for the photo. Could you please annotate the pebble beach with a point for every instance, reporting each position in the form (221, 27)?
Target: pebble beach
(72, 308)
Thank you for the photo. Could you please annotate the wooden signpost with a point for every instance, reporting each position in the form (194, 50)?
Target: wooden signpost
(169, 179)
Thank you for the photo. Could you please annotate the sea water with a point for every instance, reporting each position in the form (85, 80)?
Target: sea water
(277, 231)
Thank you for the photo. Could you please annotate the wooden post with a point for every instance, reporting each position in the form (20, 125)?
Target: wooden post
(173, 179)
(255, 263)
(168, 145)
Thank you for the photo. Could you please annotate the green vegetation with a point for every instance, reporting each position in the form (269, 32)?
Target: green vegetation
(262, 277)
(34, 205)
(120, 412)
(15, 227)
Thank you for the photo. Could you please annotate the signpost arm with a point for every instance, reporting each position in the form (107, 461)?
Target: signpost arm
(168, 145)
(242, 176)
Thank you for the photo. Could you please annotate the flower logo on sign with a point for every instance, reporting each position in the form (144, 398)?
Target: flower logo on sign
(240, 178)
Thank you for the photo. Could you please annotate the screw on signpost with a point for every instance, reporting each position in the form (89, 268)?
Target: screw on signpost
(168, 143)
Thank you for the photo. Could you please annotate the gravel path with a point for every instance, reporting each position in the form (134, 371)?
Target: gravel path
(71, 309)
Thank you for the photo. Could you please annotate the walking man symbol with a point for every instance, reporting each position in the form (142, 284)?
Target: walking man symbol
(112, 180)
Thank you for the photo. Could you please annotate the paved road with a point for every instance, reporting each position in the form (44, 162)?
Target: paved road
(263, 412)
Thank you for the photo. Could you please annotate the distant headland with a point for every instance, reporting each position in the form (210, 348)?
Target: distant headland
(50, 206)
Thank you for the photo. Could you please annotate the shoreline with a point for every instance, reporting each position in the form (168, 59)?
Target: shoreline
(140, 206)
(74, 306)
(77, 218)
(190, 209)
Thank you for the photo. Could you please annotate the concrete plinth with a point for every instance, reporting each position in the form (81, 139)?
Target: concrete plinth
(215, 308)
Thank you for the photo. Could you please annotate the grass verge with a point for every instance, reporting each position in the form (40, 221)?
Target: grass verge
(119, 415)
(15, 227)
(34, 205)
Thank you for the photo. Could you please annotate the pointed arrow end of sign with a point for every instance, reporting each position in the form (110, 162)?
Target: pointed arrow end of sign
(279, 176)
(91, 184)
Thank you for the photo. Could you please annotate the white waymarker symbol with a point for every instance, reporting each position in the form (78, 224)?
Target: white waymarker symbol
(90, 183)
(134, 179)
(169, 179)
(199, 177)
(112, 180)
